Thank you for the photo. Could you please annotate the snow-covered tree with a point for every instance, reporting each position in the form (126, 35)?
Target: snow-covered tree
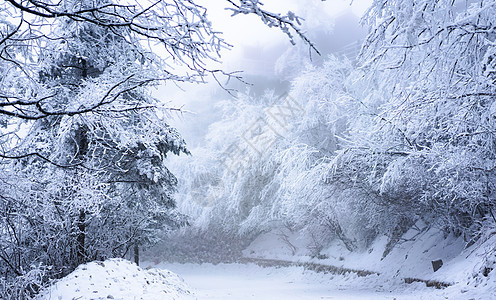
(435, 60)
(101, 185)
(83, 143)
(272, 156)
(175, 39)
(407, 135)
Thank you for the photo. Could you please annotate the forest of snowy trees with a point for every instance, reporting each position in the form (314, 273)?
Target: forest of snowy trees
(83, 142)
(356, 148)
(359, 149)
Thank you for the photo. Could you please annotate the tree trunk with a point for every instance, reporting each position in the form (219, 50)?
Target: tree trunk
(81, 235)
(136, 254)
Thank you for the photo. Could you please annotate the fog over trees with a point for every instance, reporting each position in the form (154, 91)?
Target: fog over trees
(354, 149)
(358, 148)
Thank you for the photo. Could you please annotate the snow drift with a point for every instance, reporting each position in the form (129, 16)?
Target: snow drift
(117, 279)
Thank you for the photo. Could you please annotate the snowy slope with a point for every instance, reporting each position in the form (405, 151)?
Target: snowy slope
(468, 270)
(117, 279)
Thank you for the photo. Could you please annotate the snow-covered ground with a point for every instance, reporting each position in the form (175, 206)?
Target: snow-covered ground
(469, 271)
(120, 279)
(117, 279)
(249, 281)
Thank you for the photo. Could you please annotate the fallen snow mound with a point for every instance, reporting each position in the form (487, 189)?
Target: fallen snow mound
(117, 279)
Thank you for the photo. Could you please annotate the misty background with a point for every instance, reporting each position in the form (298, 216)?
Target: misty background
(264, 57)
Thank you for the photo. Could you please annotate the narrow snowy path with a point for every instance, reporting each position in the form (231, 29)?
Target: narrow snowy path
(248, 281)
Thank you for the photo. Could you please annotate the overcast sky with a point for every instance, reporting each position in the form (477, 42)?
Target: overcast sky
(263, 54)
